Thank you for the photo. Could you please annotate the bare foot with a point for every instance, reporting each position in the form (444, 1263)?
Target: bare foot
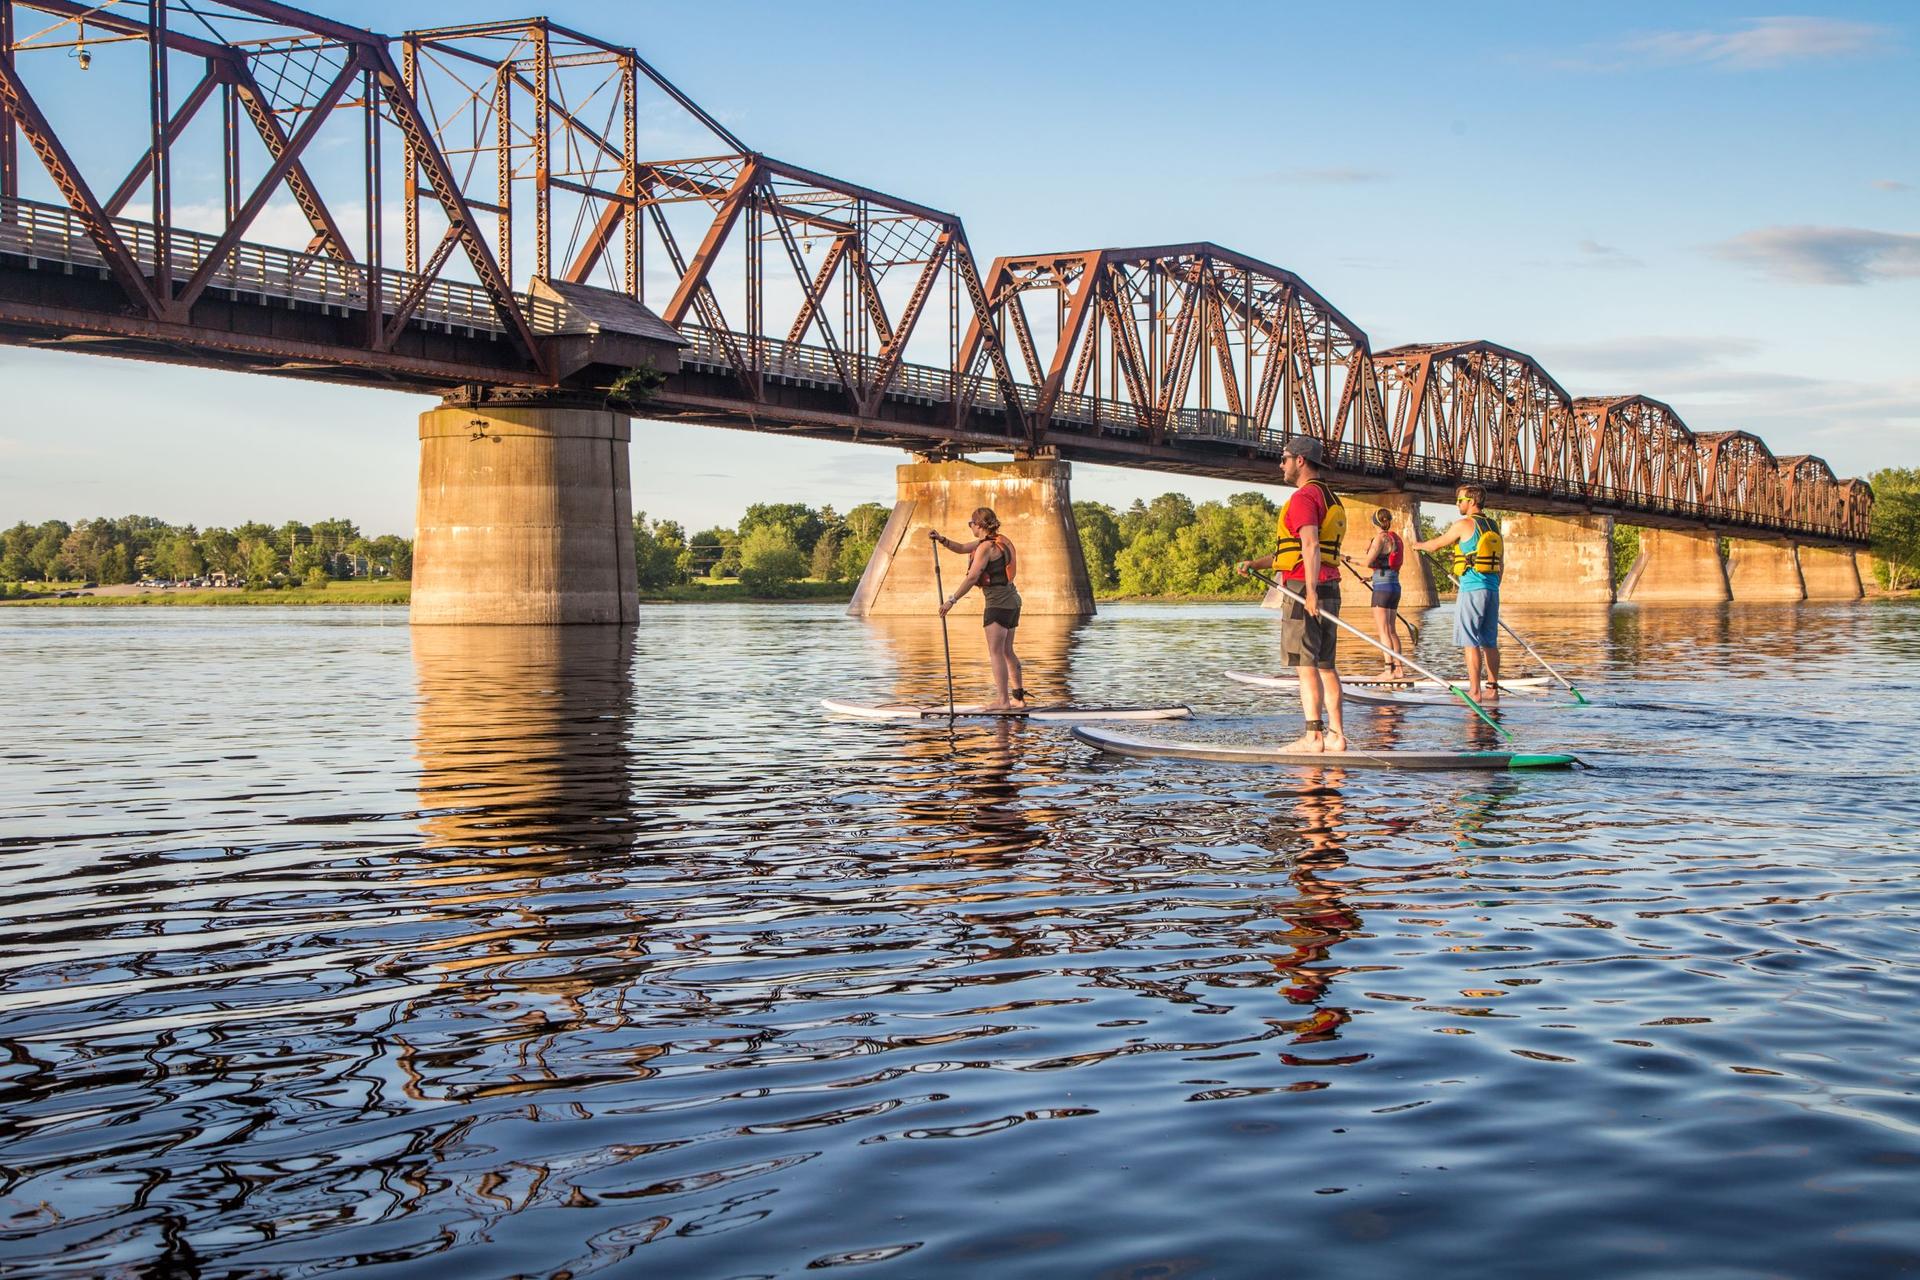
(1333, 742)
(1307, 744)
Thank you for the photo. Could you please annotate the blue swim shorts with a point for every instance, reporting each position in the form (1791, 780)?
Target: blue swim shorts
(1476, 619)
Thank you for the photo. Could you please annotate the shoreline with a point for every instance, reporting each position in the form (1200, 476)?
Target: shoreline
(391, 596)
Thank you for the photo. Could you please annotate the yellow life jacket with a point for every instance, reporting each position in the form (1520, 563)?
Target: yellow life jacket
(1484, 558)
(1333, 526)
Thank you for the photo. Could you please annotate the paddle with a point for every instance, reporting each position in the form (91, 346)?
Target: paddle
(946, 648)
(1347, 626)
(1578, 696)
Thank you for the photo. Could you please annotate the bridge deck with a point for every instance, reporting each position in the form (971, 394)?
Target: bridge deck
(457, 336)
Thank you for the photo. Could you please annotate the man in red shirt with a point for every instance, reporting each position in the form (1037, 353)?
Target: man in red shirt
(1307, 554)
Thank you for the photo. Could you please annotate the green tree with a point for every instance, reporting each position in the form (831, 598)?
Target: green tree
(770, 560)
(860, 535)
(1626, 550)
(263, 562)
(85, 548)
(658, 548)
(306, 560)
(334, 536)
(48, 542)
(16, 553)
(867, 520)
(1142, 566)
(1896, 524)
(115, 565)
(178, 556)
(1100, 541)
(715, 553)
(801, 521)
(396, 553)
(826, 557)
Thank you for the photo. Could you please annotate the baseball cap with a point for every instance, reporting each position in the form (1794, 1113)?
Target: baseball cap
(1305, 448)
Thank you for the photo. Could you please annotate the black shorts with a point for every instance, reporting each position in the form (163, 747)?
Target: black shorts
(1310, 642)
(1008, 618)
(1387, 597)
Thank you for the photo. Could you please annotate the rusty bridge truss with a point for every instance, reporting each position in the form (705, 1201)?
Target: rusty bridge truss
(241, 184)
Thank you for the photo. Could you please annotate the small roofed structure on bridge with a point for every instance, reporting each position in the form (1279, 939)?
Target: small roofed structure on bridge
(583, 326)
(1479, 411)
(1188, 342)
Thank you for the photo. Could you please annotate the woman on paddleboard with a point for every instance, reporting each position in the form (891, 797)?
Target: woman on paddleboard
(1384, 556)
(991, 565)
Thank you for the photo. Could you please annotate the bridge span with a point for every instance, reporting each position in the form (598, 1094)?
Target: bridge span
(741, 291)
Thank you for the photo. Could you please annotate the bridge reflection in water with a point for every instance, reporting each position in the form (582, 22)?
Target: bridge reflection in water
(523, 735)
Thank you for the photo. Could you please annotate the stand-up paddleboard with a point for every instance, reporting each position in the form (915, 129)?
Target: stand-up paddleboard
(1400, 693)
(1058, 713)
(1288, 680)
(1125, 744)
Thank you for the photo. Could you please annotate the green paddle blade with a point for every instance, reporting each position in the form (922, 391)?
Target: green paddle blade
(1542, 761)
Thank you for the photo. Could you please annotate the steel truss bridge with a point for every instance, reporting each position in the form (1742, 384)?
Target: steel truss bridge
(807, 305)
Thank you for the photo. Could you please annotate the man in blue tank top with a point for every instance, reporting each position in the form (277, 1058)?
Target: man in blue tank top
(1477, 565)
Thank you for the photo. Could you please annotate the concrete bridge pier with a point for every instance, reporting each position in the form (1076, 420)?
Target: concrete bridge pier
(1416, 580)
(1829, 574)
(1032, 499)
(525, 513)
(1677, 566)
(1557, 559)
(1763, 570)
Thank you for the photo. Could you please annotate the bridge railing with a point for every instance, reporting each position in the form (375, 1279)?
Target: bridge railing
(1115, 417)
(39, 231)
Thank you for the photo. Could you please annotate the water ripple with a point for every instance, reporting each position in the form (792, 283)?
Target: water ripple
(328, 945)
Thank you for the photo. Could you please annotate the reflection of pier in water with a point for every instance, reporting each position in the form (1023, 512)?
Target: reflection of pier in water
(523, 735)
(525, 795)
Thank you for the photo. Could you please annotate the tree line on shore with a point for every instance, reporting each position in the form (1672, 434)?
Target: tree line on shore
(117, 549)
(1170, 547)
(1896, 526)
(775, 546)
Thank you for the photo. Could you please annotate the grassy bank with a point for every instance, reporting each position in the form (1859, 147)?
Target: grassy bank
(333, 593)
(727, 591)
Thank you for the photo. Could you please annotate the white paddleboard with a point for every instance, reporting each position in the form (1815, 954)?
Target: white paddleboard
(1057, 713)
(1126, 744)
(1411, 692)
(1287, 679)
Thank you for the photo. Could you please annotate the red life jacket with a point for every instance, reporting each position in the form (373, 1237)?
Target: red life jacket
(1393, 555)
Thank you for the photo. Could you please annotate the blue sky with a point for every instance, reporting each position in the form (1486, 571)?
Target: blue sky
(1711, 204)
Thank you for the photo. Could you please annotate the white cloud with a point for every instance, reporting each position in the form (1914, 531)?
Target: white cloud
(1890, 184)
(1652, 352)
(1762, 43)
(1825, 255)
(1606, 256)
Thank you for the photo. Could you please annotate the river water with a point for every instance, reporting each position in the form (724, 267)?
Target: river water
(326, 944)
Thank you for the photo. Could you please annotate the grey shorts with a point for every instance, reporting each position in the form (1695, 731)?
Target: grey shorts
(1310, 642)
